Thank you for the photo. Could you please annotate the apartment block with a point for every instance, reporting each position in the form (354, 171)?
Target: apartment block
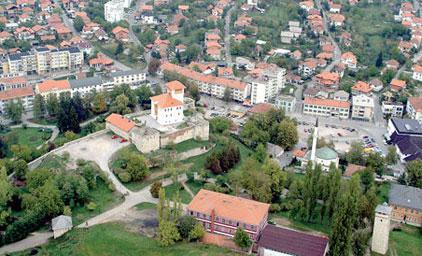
(414, 108)
(392, 109)
(326, 107)
(265, 83)
(363, 107)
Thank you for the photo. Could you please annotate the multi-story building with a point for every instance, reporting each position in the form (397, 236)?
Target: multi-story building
(286, 102)
(414, 108)
(392, 109)
(211, 85)
(43, 60)
(25, 95)
(114, 10)
(132, 77)
(363, 107)
(167, 108)
(11, 82)
(326, 107)
(266, 83)
(406, 202)
(417, 72)
(223, 214)
(406, 136)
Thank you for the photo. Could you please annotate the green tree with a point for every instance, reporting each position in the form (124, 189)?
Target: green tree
(287, 134)
(185, 225)
(256, 182)
(355, 154)
(6, 189)
(376, 162)
(144, 94)
(153, 66)
(39, 106)
(227, 94)
(78, 23)
(242, 239)
(137, 167)
(311, 191)
(391, 157)
(332, 191)
(38, 177)
(260, 153)
(99, 104)
(155, 189)
(167, 233)
(277, 176)
(414, 173)
(119, 49)
(45, 199)
(20, 168)
(379, 61)
(192, 52)
(220, 124)
(120, 105)
(52, 105)
(196, 233)
(14, 111)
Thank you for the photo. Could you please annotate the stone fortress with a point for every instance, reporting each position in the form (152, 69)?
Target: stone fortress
(164, 125)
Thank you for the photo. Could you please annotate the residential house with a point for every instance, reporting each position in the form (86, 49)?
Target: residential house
(167, 108)
(417, 72)
(392, 109)
(121, 34)
(361, 87)
(114, 11)
(286, 102)
(327, 79)
(397, 85)
(414, 108)
(308, 67)
(265, 81)
(223, 214)
(341, 95)
(349, 59)
(25, 95)
(392, 64)
(60, 225)
(406, 136)
(336, 19)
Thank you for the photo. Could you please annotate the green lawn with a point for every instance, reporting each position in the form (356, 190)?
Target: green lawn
(32, 137)
(304, 226)
(102, 197)
(407, 242)
(113, 239)
(195, 186)
(382, 192)
(190, 144)
(171, 192)
(145, 206)
(53, 162)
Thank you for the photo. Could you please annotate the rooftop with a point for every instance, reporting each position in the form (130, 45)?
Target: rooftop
(61, 222)
(261, 108)
(53, 85)
(326, 153)
(405, 196)
(229, 207)
(16, 93)
(120, 122)
(292, 242)
(165, 100)
(407, 126)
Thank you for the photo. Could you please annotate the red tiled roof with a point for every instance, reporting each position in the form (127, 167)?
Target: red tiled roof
(352, 169)
(416, 103)
(292, 242)
(398, 83)
(165, 100)
(53, 85)
(229, 207)
(120, 122)
(175, 85)
(261, 108)
(16, 93)
(362, 87)
(299, 153)
(326, 102)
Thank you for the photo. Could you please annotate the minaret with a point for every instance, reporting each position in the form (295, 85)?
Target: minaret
(381, 229)
(314, 143)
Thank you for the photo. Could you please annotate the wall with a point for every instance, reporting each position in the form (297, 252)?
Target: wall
(200, 130)
(145, 139)
(117, 131)
(413, 217)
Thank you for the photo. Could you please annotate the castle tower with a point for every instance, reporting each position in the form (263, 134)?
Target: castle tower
(314, 143)
(381, 229)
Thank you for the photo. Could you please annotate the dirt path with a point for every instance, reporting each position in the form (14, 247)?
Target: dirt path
(35, 239)
(187, 188)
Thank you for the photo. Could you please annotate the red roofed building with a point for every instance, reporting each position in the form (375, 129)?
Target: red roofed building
(57, 87)
(326, 107)
(223, 214)
(120, 125)
(261, 108)
(121, 34)
(327, 79)
(24, 94)
(352, 169)
(167, 108)
(397, 85)
(101, 61)
(417, 72)
(361, 88)
(349, 59)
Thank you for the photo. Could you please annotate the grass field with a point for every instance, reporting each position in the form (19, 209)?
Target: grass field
(102, 197)
(113, 239)
(53, 162)
(183, 194)
(407, 242)
(382, 192)
(32, 137)
(145, 206)
(304, 226)
(190, 144)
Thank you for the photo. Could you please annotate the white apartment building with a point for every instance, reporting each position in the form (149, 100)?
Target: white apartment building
(114, 10)
(266, 84)
(286, 102)
(25, 95)
(363, 107)
(392, 109)
(167, 108)
(414, 108)
(417, 72)
(132, 77)
(20, 62)
(326, 107)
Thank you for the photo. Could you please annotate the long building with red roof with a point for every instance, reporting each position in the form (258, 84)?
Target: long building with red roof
(212, 85)
(326, 107)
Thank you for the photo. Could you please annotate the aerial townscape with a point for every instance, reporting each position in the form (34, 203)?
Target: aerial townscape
(211, 127)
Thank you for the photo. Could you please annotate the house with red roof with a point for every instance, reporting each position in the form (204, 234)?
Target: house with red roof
(326, 107)
(56, 87)
(4, 35)
(336, 19)
(349, 59)
(24, 94)
(327, 79)
(100, 62)
(397, 85)
(167, 108)
(223, 214)
(361, 87)
(120, 125)
(417, 72)
(121, 34)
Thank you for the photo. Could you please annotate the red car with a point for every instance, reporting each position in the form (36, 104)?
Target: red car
(123, 140)
(114, 137)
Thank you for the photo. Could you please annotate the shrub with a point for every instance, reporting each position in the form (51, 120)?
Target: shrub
(124, 177)
(275, 208)
(241, 238)
(196, 233)
(91, 206)
(155, 189)
(185, 225)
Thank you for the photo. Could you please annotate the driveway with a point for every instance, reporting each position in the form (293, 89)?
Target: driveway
(98, 149)
(34, 240)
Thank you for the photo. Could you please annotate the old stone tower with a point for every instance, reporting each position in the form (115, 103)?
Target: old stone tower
(381, 229)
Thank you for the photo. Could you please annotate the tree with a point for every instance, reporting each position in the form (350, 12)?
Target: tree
(376, 162)
(332, 191)
(355, 154)
(144, 94)
(242, 239)
(119, 49)
(287, 134)
(6, 189)
(256, 182)
(155, 189)
(73, 188)
(227, 94)
(185, 225)
(45, 199)
(277, 176)
(120, 105)
(391, 157)
(99, 104)
(14, 111)
(311, 191)
(153, 66)
(192, 52)
(38, 177)
(379, 61)
(196, 233)
(4, 148)
(167, 233)
(220, 124)
(414, 173)
(74, 121)
(52, 105)
(78, 23)
(20, 168)
(260, 153)
(137, 167)
(39, 106)
(23, 152)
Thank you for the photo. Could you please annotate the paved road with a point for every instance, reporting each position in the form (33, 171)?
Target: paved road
(35, 239)
(227, 34)
(337, 51)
